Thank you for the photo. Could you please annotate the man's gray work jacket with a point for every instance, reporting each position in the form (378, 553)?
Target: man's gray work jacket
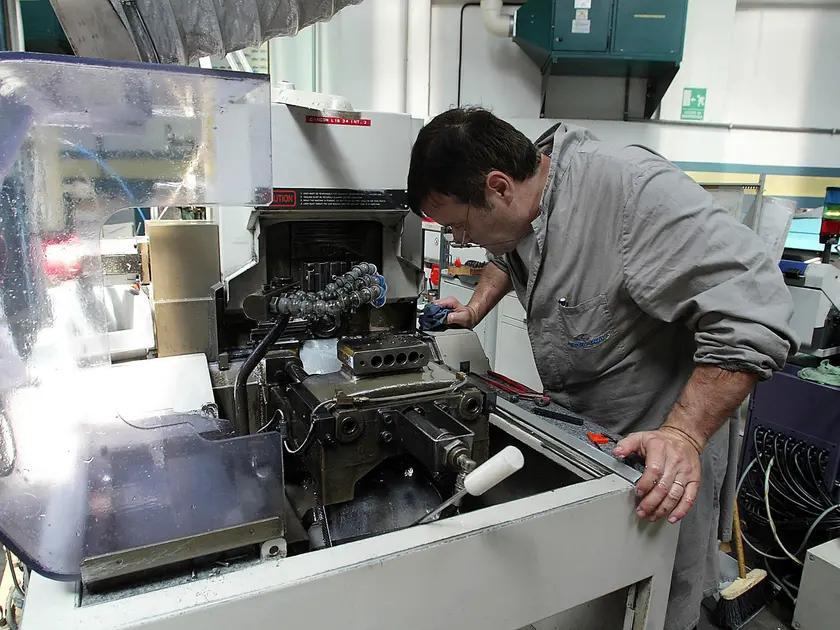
(640, 276)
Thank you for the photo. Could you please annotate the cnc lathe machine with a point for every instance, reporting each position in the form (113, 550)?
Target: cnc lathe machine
(293, 453)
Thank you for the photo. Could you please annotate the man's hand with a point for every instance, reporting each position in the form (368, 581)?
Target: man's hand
(463, 316)
(672, 471)
(672, 453)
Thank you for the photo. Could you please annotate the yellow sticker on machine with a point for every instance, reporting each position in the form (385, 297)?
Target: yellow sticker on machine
(345, 354)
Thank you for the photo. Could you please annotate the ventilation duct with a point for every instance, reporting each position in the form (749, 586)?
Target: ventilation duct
(182, 31)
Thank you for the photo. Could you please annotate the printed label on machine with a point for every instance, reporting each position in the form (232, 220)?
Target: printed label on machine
(339, 198)
(337, 120)
(583, 4)
(581, 26)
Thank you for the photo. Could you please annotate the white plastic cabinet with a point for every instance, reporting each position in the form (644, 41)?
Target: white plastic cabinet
(514, 356)
(431, 243)
(503, 335)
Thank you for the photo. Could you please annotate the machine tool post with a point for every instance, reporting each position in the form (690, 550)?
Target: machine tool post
(295, 372)
(464, 463)
(460, 460)
(240, 392)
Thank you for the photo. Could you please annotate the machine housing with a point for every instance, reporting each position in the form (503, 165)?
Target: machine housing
(253, 481)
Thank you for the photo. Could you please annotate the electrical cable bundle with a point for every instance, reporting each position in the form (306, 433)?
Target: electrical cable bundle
(783, 496)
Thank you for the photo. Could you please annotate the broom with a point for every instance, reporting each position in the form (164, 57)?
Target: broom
(745, 597)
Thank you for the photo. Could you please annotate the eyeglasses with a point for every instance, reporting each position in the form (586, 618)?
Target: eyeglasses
(449, 234)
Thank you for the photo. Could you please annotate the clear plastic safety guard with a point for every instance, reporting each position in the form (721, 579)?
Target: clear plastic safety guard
(85, 468)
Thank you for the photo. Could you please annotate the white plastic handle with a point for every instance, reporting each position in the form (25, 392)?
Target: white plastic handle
(495, 470)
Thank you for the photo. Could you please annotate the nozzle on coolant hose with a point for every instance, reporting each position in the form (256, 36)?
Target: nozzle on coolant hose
(492, 472)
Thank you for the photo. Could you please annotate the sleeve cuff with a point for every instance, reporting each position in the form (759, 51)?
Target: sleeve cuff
(499, 261)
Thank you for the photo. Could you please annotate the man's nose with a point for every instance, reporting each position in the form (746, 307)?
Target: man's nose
(459, 235)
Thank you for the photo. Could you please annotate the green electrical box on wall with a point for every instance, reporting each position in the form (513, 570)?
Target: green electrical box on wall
(42, 31)
(605, 38)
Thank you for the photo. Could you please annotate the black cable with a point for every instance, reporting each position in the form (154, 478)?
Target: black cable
(816, 474)
(240, 389)
(461, 41)
(461, 47)
(757, 450)
(795, 489)
(797, 504)
(820, 498)
(794, 454)
(797, 497)
(778, 582)
(14, 573)
(773, 482)
(812, 481)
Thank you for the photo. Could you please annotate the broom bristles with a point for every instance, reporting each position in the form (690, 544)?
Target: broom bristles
(743, 599)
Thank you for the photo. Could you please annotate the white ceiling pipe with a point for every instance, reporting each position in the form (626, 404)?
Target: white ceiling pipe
(496, 23)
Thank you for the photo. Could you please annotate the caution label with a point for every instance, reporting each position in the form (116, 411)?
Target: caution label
(338, 199)
(336, 120)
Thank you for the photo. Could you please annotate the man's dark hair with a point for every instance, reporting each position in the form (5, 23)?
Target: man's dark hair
(457, 149)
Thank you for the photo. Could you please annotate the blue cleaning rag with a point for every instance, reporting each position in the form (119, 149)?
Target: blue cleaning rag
(434, 317)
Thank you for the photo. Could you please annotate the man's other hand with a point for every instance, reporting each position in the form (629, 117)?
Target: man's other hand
(463, 316)
(671, 479)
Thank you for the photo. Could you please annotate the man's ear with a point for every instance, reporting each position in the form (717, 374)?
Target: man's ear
(498, 185)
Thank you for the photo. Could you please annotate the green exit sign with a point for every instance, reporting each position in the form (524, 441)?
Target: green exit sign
(693, 104)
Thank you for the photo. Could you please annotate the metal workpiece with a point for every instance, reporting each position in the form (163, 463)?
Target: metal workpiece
(383, 354)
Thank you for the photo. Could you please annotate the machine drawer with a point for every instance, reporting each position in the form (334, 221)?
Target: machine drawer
(581, 26)
(649, 27)
(511, 308)
(514, 357)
